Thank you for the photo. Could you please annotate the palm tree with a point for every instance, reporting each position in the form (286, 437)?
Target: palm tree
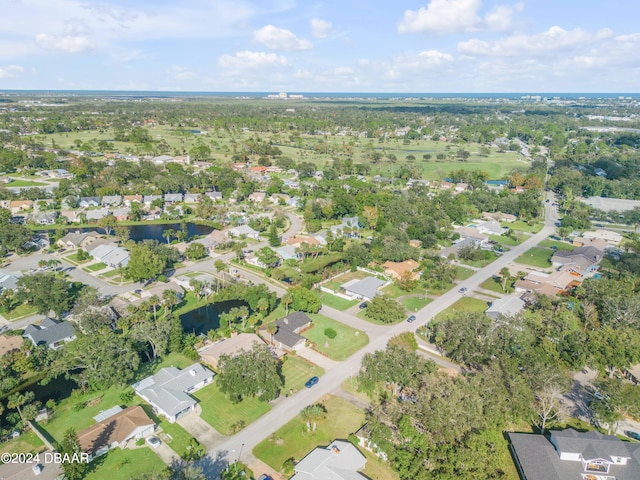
(53, 263)
(262, 306)
(505, 274)
(170, 298)
(312, 414)
(168, 233)
(287, 299)
(243, 313)
(154, 301)
(271, 328)
(42, 263)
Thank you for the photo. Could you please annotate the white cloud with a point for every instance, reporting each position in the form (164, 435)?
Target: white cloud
(341, 71)
(442, 16)
(280, 39)
(553, 40)
(65, 43)
(452, 16)
(252, 60)
(181, 73)
(320, 28)
(11, 71)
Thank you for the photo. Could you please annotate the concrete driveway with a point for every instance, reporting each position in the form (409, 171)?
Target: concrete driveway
(316, 358)
(201, 430)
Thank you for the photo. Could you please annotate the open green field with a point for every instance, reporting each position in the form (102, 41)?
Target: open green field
(296, 372)
(480, 263)
(73, 258)
(494, 284)
(506, 241)
(348, 341)
(536, 257)
(293, 440)
(465, 304)
(336, 302)
(221, 414)
(463, 273)
(125, 464)
(548, 243)
(25, 183)
(413, 304)
(395, 291)
(523, 226)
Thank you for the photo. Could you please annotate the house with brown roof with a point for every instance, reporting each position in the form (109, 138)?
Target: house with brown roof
(231, 347)
(398, 270)
(129, 199)
(116, 430)
(17, 206)
(257, 197)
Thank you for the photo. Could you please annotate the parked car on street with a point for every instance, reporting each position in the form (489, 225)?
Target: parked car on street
(363, 305)
(411, 319)
(311, 382)
(463, 290)
(632, 434)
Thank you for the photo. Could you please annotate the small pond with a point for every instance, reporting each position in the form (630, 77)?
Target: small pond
(201, 320)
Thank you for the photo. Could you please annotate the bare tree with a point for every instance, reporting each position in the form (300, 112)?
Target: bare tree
(549, 406)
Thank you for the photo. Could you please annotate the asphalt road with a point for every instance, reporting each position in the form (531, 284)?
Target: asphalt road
(240, 445)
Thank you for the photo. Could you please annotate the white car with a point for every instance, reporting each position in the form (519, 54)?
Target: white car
(153, 441)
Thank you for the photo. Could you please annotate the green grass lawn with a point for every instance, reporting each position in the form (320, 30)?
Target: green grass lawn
(395, 291)
(96, 267)
(463, 273)
(221, 414)
(19, 312)
(73, 258)
(28, 442)
(494, 284)
(523, 226)
(536, 257)
(481, 263)
(296, 372)
(548, 243)
(292, 440)
(465, 304)
(348, 341)
(414, 304)
(26, 183)
(178, 438)
(336, 302)
(125, 464)
(110, 274)
(377, 468)
(506, 241)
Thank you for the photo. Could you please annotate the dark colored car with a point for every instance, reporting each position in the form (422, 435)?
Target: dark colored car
(463, 290)
(632, 434)
(311, 382)
(264, 477)
(411, 319)
(363, 305)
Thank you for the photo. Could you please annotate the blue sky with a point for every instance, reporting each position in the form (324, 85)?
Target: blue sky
(325, 46)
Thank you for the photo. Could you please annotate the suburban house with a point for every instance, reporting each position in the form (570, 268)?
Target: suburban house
(111, 200)
(397, 270)
(505, 307)
(129, 199)
(95, 215)
(473, 233)
(491, 227)
(231, 347)
(111, 255)
(582, 260)
(309, 240)
(9, 280)
(149, 199)
(612, 238)
(499, 216)
(633, 373)
(214, 195)
(10, 343)
(167, 391)
(287, 252)
(50, 332)
(244, 230)
(287, 336)
(257, 197)
(364, 289)
(86, 202)
(185, 282)
(115, 428)
(17, 206)
(349, 227)
(598, 243)
(339, 461)
(548, 284)
(171, 198)
(77, 240)
(568, 454)
(192, 197)
(44, 218)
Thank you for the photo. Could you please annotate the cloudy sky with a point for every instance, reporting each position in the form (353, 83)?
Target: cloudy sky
(321, 46)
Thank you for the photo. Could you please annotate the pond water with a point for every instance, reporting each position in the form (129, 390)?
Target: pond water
(203, 319)
(152, 231)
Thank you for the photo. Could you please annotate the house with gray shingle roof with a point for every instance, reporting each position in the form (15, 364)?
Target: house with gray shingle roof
(568, 454)
(339, 461)
(364, 289)
(287, 336)
(50, 332)
(111, 200)
(168, 390)
(171, 198)
(86, 202)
